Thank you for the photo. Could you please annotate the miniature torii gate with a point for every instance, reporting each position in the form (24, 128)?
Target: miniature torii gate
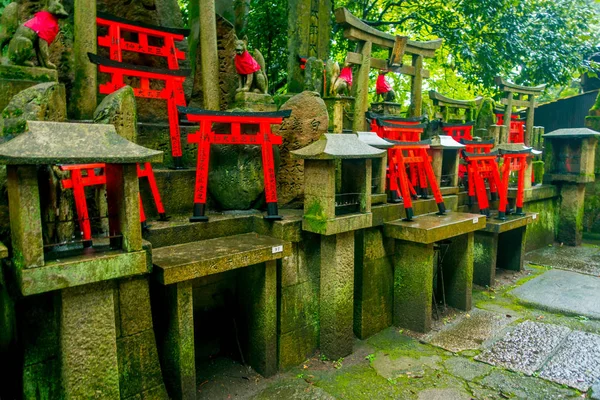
(510, 89)
(367, 36)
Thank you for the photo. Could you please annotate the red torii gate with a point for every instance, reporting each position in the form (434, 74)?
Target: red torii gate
(206, 136)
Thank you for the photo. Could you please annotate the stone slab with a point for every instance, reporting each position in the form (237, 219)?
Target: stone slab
(345, 223)
(80, 270)
(444, 394)
(511, 222)
(14, 78)
(469, 332)
(585, 259)
(526, 348)
(432, 228)
(197, 259)
(576, 363)
(564, 292)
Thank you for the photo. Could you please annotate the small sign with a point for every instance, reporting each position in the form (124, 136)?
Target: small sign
(277, 249)
(534, 216)
(475, 220)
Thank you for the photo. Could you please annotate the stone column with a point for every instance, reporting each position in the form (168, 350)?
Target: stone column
(362, 89)
(177, 351)
(123, 205)
(337, 289)
(309, 31)
(258, 293)
(508, 112)
(530, 121)
(88, 342)
(485, 255)
(85, 86)
(413, 285)
(458, 271)
(570, 221)
(416, 87)
(209, 55)
(25, 216)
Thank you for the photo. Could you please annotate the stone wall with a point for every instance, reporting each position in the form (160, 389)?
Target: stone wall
(544, 201)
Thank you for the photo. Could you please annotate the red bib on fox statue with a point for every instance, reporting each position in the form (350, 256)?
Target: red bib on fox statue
(45, 25)
(346, 75)
(246, 64)
(382, 86)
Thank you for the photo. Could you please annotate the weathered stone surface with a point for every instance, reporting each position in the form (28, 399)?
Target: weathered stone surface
(526, 348)
(584, 259)
(465, 369)
(119, 109)
(469, 332)
(134, 306)
(313, 75)
(522, 387)
(392, 367)
(14, 78)
(541, 232)
(485, 118)
(576, 363)
(235, 180)
(297, 390)
(42, 102)
(337, 288)
(257, 102)
(444, 394)
(564, 292)
(570, 222)
(88, 342)
(431, 228)
(309, 120)
(197, 259)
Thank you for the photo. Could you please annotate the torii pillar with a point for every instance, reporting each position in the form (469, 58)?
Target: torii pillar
(85, 85)
(399, 46)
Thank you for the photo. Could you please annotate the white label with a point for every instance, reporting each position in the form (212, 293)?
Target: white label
(475, 220)
(277, 249)
(534, 216)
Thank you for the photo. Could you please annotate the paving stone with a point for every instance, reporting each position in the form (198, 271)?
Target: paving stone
(444, 394)
(391, 368)
(296, 389)
(584, 259)
(564, 292)
(466, 369)
(526, 348)
(513, 385)
(595, 395)
(576, 363)
(468, 333)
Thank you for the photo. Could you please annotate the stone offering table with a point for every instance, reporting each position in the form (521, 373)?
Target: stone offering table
(177, 266)
(501, 244)
(415, 262)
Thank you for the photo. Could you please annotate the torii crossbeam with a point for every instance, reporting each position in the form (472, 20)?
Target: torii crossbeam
(367, 36)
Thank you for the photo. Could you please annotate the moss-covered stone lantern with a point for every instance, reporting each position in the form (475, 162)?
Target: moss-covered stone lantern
(336, 216)
(569, 162)
(88, 350)
(379, 166)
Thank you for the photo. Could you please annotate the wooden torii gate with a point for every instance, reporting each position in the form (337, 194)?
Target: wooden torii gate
(367, 36)
(510, 90)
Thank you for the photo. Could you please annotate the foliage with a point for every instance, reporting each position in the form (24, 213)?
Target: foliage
(4, 3)
(267, 31)
(529, 41)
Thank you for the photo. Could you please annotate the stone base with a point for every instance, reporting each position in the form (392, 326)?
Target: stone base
(341, 110)
(257, 102)
(386, 108)
(14, 78)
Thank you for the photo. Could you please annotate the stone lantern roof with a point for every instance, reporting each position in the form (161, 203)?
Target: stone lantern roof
(336, 147)
(373, 140)
(571, 133)
(445, 142)
(73, 143)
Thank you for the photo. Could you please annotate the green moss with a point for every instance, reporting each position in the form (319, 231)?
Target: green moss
(315, 217)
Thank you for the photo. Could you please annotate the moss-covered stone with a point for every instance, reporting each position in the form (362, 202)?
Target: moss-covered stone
(15, 78)
(485, 115)
(570, 222)
(543, 230)
(119, 109)
(42, 102)
(485, 254)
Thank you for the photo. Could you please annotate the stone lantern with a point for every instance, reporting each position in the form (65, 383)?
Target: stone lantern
(445, 153)
(88, 350)
(336, 215)
(379, 165)
(569, 158)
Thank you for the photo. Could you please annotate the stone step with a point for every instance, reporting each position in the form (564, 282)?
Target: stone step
(173, 264)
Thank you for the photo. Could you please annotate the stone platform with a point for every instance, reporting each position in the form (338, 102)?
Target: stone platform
(14, 78)
(432, 228)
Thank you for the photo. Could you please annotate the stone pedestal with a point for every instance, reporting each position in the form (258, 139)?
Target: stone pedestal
(386, 108)
(337, 289)
(88, 342)
(415, 260)
(341, 110)
(501, 244)
(256, 102)
(14, 78)
(570, 221)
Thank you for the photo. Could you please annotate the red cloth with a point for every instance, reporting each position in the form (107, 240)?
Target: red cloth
(45, 25)
(346, 74)
(246, 64)
(382, 85)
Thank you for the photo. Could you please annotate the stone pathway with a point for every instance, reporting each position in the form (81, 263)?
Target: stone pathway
(585, 259)
(563, 292)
